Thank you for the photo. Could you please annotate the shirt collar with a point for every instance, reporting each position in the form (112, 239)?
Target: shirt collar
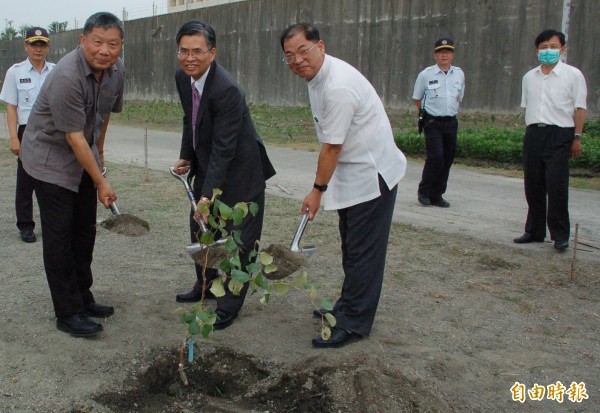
(30, 67)
(200, 82)
(556, 69)
(322, 73)
(450, 70)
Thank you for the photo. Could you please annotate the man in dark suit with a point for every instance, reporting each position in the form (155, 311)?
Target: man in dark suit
(221, 146)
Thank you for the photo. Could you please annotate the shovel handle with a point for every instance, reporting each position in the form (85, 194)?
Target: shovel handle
(190, 195)
(112, 205)
(295, 246)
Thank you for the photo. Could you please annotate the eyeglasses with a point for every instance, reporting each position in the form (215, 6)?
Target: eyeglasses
(184, 53)
(288, 59)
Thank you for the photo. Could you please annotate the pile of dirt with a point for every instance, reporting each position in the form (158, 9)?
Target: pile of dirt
(288, 262)
(126, 224)
(226, 380)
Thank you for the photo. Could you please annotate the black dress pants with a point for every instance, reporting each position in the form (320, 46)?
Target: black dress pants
(364, 230)
(546, 154)
(440, 149)
(69, 234)
(23, 193)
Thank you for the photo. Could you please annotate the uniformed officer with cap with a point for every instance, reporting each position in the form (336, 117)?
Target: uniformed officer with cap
(438, 91)
(21, 87)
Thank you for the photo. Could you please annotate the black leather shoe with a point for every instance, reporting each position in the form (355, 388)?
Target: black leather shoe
(27, 235)
(442, 203)
(99, 310)
(194, 295)
(561, 245)
(339, 338)
(321, 312)
(225, 319)
(526, 238)
(423, 200)
(78, 325)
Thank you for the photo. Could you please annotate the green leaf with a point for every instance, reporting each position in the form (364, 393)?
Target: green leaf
(235, 262)
(280, 288)
(180, 311)
(325, 333)
(313, 293)
(265, 299)
(225, 266)
(265, 258)
(326, 305)
(269, 268)
(216, 192)
(240, 276)
(237, 236)
(194, 328)
(243, 206)
(206, 330)
(301, 279)
(217, 288)
(330, 319)
(252, 268)
(224, 211)
(254, 208)
(235, 287)
(261, 281)
(237, 216)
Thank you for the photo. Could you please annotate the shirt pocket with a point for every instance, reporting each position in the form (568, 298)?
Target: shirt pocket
(433, 90)
(106, 103)
(27, 92)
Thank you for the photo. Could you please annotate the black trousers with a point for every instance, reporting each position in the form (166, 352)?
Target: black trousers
(23, 193)
(251, 231)
(546, 154)
(440, 149)
(69, 235)
(364, 230)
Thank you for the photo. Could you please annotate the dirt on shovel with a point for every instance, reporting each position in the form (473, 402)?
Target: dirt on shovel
(126, 224)
(286, 260)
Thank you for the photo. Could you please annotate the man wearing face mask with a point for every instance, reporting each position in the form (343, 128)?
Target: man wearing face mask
(554, 98)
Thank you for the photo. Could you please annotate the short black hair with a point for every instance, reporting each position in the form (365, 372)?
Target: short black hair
(310, 32)
(195, 27)
(104, 20)
(549, 34)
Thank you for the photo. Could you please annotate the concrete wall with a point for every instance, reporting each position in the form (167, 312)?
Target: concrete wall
(390, 41)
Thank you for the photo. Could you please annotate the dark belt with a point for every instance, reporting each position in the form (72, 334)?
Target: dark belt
(541, 125)
(442, 118)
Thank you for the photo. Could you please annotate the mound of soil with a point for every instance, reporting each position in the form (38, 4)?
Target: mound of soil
(126, 224)
(225, 380)
(287, 261)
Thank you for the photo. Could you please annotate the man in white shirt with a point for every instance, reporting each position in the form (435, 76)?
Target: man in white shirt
(22, 84)
(359, 166)
(554, 98)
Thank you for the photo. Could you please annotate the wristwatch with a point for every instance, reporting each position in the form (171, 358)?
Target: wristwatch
(578, 136)
(320, 188)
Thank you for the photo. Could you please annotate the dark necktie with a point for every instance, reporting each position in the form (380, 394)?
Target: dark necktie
(195, 106)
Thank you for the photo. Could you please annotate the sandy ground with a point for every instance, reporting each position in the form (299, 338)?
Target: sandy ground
(461, 320)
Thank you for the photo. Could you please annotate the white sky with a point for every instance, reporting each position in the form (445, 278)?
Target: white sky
(74, 12)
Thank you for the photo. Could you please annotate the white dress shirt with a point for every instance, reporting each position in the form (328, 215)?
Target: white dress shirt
(553, 98)
(347, 111)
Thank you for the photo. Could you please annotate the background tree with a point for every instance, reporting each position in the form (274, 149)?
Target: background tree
(23, 30)
(9, 32)
(57, 27)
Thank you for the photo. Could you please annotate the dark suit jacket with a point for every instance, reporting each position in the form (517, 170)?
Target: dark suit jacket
(229, 153)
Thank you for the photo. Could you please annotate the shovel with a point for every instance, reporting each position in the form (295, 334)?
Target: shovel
(124, 224)
(290, 260)
(197, 250)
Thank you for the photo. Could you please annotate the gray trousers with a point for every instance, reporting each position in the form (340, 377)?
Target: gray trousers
(364, 230)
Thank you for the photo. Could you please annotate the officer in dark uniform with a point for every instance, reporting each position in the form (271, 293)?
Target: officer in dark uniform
(438, 91)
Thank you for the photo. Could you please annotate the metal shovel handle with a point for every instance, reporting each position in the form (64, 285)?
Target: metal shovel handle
(295, 246)
(113, 205)
(190, 194)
